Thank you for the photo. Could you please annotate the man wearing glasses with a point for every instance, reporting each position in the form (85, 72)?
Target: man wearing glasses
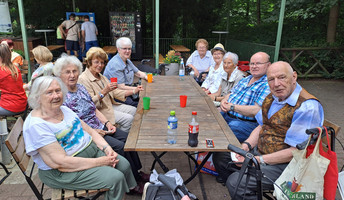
(245, 99)
(121, 67)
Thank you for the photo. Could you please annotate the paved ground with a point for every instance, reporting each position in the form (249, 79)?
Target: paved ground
(329, 92)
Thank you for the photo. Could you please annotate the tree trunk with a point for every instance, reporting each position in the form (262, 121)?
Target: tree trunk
(258, 12)
(332, 23)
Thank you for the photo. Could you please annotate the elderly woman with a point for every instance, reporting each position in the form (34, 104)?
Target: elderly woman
(200, 60)
(78, 99)
(212, 82)
(120, 66)
(230, 77)
(68, 152)
(16, 58)
(13, 99)
(43, 57)
(104, 93)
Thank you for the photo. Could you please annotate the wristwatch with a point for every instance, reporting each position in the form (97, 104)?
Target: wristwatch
(262, 161)
(101, 95)
(232, 108)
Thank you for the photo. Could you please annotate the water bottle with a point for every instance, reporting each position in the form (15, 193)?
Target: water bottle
(193, 130)
(172, 125)
(181, 70)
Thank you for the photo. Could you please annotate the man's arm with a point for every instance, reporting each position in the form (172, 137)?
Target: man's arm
(278, 157)
(141, 75)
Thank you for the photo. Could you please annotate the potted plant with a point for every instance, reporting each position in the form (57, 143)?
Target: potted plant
(172, 60)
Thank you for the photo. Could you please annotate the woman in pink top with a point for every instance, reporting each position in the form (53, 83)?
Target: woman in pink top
(13, 99)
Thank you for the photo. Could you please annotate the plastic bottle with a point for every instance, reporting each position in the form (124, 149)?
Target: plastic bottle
(181, 70)
(172, 125)
(193, 130)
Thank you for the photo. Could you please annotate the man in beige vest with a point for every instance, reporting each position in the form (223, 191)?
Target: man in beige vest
(285, 115)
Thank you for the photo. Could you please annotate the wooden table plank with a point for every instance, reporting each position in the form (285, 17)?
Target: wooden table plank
(179, 48)
(148, 132)
(110, 49)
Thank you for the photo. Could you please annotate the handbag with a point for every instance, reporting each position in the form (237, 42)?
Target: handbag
(303, 178)
(331, 175)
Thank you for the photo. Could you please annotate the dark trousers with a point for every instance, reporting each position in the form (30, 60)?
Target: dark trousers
(117, 142)
(227, 171)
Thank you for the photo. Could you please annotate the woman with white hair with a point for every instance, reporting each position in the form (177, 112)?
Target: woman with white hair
(120, 66)
(68, 68)
(230, 77)
(70, 154)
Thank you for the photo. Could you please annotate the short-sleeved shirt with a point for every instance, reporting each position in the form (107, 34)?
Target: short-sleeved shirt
(123, 71)
(81, 103)
(13, 97)
(244, 94)
(201, 64)
(213, 80)
(227, 85)
(68, 133)
(72, 32)
(309, 115)
(90, 31)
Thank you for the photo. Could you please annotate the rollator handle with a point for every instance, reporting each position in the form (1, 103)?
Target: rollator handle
(237, 150)
(171, 184)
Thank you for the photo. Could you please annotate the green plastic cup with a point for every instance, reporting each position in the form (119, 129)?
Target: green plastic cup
(146, 103)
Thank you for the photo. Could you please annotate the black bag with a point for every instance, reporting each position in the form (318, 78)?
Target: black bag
(154, 192)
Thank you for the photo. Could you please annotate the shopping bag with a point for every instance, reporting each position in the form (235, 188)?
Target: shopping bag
(303, 178)
(331, 175)
(208, 167)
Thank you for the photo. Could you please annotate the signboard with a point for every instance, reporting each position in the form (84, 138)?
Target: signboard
(5, 18)
(80, 16)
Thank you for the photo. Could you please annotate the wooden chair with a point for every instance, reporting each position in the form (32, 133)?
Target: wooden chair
(15, 144)
(24, 69)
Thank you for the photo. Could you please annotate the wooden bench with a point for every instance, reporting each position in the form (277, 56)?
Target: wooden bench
(55, 47)
(180, 48)
(15, 144)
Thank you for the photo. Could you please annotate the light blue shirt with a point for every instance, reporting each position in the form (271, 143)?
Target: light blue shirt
(201, 64)
(309, 115)
(123, 71)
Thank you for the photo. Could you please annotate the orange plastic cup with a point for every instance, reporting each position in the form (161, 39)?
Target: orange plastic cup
(183, 99)
(150, 77)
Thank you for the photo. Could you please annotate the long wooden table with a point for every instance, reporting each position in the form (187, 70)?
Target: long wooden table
(149, 128)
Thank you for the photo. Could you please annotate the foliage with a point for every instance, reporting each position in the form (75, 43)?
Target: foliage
(172, 57)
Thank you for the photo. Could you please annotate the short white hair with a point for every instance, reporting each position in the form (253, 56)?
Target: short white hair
(234, 57)
(65, 60)
(122, 41)
(40, 85)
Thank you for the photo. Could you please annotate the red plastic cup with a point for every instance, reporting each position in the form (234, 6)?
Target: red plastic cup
(113, 79)
(183, 99)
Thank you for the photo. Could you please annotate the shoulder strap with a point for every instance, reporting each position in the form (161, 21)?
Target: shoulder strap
(72, 26)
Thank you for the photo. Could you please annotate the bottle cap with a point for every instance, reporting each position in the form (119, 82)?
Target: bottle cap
(194, 113)
(173, 112)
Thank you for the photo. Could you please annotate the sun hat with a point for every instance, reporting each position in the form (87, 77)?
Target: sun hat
(220, 47)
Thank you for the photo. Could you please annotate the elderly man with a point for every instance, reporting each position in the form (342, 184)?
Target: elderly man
(244, 100)
(121, 67)
(73, 34)
(285, 115)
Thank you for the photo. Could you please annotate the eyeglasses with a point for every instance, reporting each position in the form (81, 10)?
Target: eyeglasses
(258, 64)
(126, 49)
(68, 73)
(97, 62)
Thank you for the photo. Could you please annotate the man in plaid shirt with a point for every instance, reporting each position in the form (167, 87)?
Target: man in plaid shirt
(245, 99)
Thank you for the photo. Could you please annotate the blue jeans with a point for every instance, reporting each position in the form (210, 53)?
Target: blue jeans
(241, 129)
(90, 44)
